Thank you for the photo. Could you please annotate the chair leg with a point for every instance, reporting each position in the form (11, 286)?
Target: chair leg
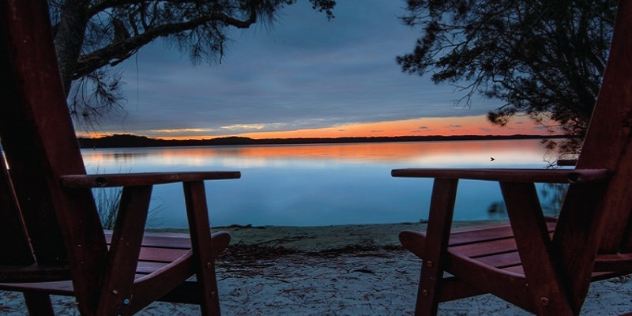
(199, 227)
(437, 236)
(427, 301)
(546, 286)
(38, 304)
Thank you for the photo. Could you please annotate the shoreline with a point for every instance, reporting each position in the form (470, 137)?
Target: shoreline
(138, 141)
(313, 239)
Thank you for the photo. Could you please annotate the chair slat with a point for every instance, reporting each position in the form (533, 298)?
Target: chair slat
(500, 231)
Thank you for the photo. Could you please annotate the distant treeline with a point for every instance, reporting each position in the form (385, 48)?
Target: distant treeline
(127, 140)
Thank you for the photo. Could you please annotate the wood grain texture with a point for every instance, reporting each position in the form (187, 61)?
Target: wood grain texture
(136, 179)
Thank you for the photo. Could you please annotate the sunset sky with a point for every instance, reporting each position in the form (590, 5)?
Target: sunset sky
(300, 77)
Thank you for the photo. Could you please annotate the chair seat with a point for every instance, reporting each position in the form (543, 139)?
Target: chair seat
(158, 250)
(491, 245)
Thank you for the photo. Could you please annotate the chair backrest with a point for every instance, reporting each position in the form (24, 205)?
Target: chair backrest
(14, 245)
(596, 218)
(608, 143)
(40, 145)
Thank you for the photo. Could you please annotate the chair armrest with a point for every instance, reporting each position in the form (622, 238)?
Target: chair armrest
(139, 179)
(566, 162)
(509, 175)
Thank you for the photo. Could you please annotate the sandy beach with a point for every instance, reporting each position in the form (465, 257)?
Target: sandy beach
(332, 270)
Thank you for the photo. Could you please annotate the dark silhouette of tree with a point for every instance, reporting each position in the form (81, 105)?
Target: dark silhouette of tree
(543, 58)
(93, 36)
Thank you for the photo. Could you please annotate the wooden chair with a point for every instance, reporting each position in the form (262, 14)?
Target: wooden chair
(542, 266)
(49, 226)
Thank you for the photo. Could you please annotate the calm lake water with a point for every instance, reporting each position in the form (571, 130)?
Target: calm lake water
(325, 184)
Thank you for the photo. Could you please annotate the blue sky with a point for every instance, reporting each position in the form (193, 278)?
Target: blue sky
(301, 72)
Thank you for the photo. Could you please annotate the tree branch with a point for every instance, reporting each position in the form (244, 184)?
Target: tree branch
(102, 5)
(121, 50)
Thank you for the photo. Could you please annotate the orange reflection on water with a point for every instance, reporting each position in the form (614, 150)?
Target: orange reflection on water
(436, 153)
(424, 154)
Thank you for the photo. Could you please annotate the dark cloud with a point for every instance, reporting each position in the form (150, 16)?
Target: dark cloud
(301, 72)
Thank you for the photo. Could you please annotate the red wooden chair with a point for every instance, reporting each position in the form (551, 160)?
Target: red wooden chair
(49, 226)
(541, 266)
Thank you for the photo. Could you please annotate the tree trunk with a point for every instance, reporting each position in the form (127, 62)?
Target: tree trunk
(69, 38)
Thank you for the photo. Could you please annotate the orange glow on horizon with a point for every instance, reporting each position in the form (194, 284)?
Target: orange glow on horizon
(444, 126)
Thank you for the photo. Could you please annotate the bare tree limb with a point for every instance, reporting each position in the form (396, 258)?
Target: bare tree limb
(119, 51)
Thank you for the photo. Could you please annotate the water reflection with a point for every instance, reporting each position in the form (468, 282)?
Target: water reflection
(457, 153)
(325, 184)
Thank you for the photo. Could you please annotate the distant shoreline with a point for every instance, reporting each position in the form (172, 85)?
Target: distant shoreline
(128, 140)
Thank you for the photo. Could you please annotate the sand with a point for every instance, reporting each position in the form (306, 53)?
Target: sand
(333, 270)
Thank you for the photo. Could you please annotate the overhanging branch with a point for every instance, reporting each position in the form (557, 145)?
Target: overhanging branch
(102, 5)
(122, 50)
